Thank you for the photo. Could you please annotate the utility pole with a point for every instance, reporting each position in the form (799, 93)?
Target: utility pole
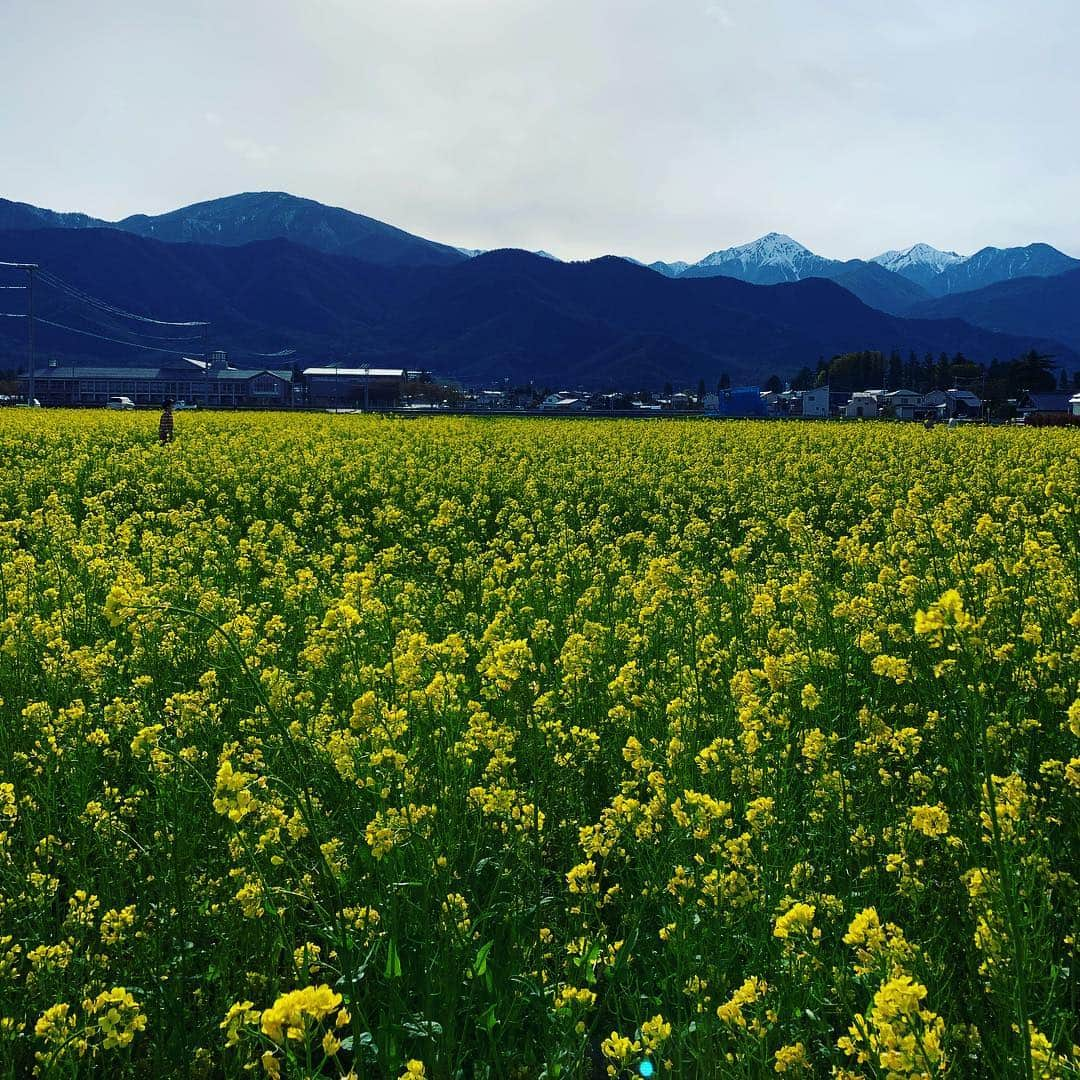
(29, 268)
(30, 331)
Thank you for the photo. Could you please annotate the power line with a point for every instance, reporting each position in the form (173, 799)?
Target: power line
(69, 306)
(118, 341)
(103, 305)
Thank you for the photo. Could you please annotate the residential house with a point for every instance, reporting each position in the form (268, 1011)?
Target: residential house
(864, 405)
(770, 402)
(563, 402)
(814, 404)
(903, 404)
(1050, 405)
(953, 404)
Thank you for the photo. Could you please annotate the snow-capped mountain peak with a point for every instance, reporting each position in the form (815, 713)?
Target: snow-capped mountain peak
(770, 259)
(771, 249)
(921, 255)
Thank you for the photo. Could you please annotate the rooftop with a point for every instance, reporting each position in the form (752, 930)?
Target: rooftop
(170, 372)
(374, 372)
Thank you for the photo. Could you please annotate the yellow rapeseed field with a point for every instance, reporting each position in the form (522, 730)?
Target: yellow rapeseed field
(459, 748)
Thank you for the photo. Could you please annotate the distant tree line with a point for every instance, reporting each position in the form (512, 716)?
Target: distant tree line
(997, 381)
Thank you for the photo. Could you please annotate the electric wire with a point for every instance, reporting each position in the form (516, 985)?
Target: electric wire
(68, 311)
(58, 283)
(103, 337)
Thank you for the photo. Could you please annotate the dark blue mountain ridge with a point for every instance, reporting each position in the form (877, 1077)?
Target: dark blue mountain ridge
(258, 215)
(990, 265)
(1045, 305)
(504, 314)
(20, 215)
(891, 282)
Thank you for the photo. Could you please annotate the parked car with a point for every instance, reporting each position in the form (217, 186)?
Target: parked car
(119, 402)
(179, 406)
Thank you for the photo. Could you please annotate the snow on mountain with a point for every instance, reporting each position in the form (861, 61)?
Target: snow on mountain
(668, 269)
(990, 265)
(944, 272)
(770, 259)
(773, 249)
(921, 263)
(917, 255)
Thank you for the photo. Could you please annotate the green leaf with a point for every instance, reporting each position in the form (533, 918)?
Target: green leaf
(480, 963)
(588, 962)
(393, 962)
(420, 1028)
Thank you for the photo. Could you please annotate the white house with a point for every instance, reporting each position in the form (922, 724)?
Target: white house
(903, 404)
(815, 403)
(562, 402)
(864, 404)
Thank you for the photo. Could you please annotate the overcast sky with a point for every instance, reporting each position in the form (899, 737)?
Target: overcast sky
(661, 129)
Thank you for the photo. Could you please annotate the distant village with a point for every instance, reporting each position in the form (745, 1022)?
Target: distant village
(214, 383)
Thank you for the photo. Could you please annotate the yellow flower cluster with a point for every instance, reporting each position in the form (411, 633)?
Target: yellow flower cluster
(110, 1021)
(293, 1013)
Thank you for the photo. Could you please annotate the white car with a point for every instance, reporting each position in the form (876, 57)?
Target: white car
(181, 405)
(119, 403)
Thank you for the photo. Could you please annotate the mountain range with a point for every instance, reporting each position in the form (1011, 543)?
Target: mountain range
(259, 215)
(268, 269)
(894, 281)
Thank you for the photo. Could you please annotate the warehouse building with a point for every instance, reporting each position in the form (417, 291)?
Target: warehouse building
(352, 388)
(202, 382)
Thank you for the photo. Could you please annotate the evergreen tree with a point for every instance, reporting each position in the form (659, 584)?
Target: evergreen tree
(1034, 372)
(896, 371)
(929, 369)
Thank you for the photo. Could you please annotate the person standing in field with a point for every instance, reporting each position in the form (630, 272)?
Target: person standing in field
(165, 427)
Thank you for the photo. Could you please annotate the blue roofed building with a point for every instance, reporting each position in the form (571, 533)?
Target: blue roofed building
(738, 401)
